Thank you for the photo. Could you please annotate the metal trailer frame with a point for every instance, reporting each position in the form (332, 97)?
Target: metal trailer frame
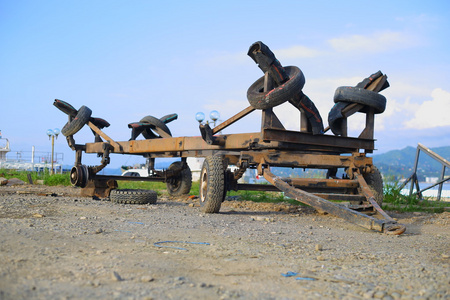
(273, 146)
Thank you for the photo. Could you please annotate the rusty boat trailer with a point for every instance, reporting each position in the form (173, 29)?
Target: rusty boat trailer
(273, 146)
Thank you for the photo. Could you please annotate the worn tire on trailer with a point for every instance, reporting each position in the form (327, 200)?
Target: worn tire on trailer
(130, 196)
(181, 184)
(73, 126)
(212, 184)
(65, 107)
(375, 182)
(262, 100)
(368, 98)
(159, 127)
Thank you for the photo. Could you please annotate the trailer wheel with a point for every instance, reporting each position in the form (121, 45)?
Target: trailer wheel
(73, 126)
(285, 92)
(79, 176)
(159, 127)
(181, 184)
(212, 184)
(129, 196)
(375, 182)
(362, 96)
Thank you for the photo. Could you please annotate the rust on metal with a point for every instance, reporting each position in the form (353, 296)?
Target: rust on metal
(326, 206)
(233, 119)
(273, 146)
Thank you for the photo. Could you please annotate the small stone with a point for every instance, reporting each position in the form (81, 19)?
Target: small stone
(319, 247)
(379, 294)
(38, 215)
(83, 218)
(98, 231)
(368, 295)
(320, 258)
(445, 256)
(147, 278)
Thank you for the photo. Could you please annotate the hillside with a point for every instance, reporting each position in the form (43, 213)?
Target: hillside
(400, 163)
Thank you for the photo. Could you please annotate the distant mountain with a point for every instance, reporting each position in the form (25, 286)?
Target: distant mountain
(400, 163)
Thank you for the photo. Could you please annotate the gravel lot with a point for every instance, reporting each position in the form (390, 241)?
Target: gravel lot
(55, 244)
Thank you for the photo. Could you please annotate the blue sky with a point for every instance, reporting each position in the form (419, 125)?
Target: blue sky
(129, 59)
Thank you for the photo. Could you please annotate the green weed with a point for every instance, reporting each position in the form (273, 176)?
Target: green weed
(394, 200)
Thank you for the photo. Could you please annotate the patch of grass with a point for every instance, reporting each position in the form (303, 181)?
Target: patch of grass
(394, 200)
(262, 196)
(57, 179)
(51, 180)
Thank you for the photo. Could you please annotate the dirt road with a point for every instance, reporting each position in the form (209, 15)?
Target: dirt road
(55, 244)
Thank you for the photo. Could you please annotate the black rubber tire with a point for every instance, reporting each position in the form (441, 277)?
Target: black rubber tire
(180, 185)
(79, 176)
(73, 126)
(65, 107)
(368, 98)
(335, 117)
(157, 125)
(169, 118)
(285, 92)
(375, 181)
(212, 184)
(129, 196)
(99, 122)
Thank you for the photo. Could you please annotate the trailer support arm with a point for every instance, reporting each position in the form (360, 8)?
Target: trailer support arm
(386, 226)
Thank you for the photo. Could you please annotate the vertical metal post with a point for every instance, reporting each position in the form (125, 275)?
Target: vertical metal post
(415, 172)
(53, 150)
(440, 185)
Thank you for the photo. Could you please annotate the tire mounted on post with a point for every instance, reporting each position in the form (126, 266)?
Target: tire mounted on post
(212, 184)
(362, 96)
(158, 126)
(130, 196)
(74, 125)
(260, 99)
(180, 184)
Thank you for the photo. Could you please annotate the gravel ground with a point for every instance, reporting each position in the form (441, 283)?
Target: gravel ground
(55, 244)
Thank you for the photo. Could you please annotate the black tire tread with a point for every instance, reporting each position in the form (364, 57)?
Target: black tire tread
(159, 127)
(65, 107)
(133, 196)
(215, 184)
(184, 182)
(368, 98)
(278, 95)
(73, 126)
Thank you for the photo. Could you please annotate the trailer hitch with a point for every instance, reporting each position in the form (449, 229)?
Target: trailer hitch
(387, 226)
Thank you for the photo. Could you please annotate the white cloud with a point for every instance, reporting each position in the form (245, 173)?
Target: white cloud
(432, 113)
(374, 43)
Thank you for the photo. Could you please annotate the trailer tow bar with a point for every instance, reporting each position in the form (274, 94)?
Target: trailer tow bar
(387, 226)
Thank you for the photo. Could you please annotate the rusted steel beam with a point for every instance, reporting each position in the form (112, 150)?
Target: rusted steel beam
(233, 119)
(370, 197)
(103, 135)
(302, 160)
(98, 188)
(324, 205)
(322, 183)
(242, 141)
(349, 143)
